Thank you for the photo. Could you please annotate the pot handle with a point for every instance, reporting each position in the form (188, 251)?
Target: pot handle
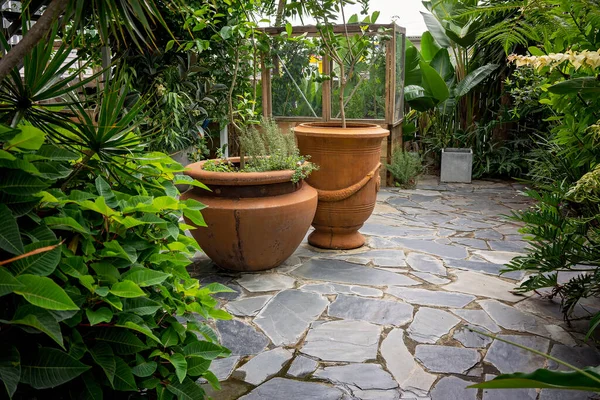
(343, 194)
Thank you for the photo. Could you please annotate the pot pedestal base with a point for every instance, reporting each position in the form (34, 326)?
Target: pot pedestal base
(336, 239)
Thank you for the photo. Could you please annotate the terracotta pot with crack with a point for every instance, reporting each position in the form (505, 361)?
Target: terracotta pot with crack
(347, 180)
(256, 220)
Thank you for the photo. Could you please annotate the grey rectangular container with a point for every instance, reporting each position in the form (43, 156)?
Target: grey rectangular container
(457, 165)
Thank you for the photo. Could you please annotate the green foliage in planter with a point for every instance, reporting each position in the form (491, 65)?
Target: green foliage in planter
(94, 293)
(267, 149)
(405, 167)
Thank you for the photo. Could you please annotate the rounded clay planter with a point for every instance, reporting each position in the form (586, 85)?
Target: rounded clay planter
(347, 180)
(256, 220)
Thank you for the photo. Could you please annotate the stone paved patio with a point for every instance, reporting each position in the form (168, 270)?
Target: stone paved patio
(388, 321)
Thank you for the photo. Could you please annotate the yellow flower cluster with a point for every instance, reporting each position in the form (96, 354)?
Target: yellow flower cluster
(577, 59)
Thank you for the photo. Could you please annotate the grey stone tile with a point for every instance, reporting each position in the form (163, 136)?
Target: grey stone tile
(483, 285)
(508, 358)
(248, 307)
(263, 366)
(394, 231)
(508, 394)
(375, 394)
(364, 376)
(451, 387)
(281, 388)
(345, 272)
(472, 243)
(580, 357)
(512, 319)
(349, 341)
(223, 367)
(376, 242)
(430, 324)
(289, 314)
(497, 257)
(265, 282)
(430, 297)
(484, 267)
(301, 367)
(506, 245)
(430, 247)
(380, 258)
(241, 338)
(478, 318)
(434, 279)
(337, 288)
(379, 312)
(446, 359)
(555, 394)
(426, 263)
(469, 338)
(488, 234)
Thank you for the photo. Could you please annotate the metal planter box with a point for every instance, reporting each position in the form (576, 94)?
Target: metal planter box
(457, 165)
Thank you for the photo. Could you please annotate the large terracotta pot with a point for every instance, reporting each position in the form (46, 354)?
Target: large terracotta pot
(347, 180)
(256, 220)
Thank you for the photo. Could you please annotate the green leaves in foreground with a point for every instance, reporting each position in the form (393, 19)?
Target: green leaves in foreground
(45, 293)
(50, 369)
(588, 379)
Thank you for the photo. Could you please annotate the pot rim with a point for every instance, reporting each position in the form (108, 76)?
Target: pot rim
(196, 171)
(329, 129)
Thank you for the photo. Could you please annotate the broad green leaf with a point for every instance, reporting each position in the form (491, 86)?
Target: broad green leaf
(178, 361)
(144, 369)
(30, 138)
(104, 356)
(98, 205)
(195, 216)
(123, 341)
(44, 292)
(127, 289)
(170, 337)
(50, 369)
(216, 287)
(433, 83)
(10, 368)
(106, 272)
(145, 276)
(114, 249)
(42, 264)
(112, 300)
(429, 47)
(186, 390)
(197, 366)
(129, 222)
(139, 327)
(21, 183)
(56, 153)
(473, 79)
(65, 223)
(102, 314)
(141, 306)
(40, 319)
(188, 180)
(124, 379)
(91, 389)
(441, 63)
(77, 347)
(594, 323)
(543, 378)
(206, 350)
(8, 283)
(204, 330)
(586, 84)
(105, 191)
(212, 379)
(10, 238)
(436, 30)
(73, 266)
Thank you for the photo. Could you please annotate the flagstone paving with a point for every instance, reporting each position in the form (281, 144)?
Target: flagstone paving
(391, 320)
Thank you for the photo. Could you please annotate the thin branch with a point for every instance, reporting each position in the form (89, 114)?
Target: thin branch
(31, 253)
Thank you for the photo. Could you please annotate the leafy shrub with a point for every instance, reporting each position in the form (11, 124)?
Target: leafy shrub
(94, 294)
(405, 168)
(266, 149)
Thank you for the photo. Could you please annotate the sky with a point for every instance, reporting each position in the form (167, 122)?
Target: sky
(406, 13)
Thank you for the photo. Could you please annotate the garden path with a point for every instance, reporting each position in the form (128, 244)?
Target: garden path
(388, 321)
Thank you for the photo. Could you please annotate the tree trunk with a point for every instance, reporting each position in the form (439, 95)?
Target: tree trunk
(37, 32)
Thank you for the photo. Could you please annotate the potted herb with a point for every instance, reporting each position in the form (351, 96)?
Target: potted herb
(348, 153)
(259, 208)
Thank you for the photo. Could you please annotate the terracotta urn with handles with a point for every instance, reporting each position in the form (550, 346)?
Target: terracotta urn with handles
(347, 181)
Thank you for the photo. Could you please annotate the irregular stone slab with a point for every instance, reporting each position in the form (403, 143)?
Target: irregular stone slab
(472, 243)
(468, 338)
(479, 318)
(436, 280)
(512, 319)
(446, 359)
(265, 282)
(247, 307)
(579, 357)
(451, 387)
(364, 376)
(403, 202)
(488, 234)
(350, 341)
(509, 359)
(281, 388)
(484, 267)
(555, 394)
(345, 272)
(497, 257)
(263, 366)
(302, 367)
(375, 394)
(394, 231)
(223, 367)
(430, 324)
(543, 307)
(379, 312)
(380, 258)
(401, 363)
(241, 338)
(504, 394)
(376, 242)
(289, 314)
(336, 288)
(515, 246)
(427, 246)
(426, 263)
(559, 335)
(483, 285)
(430, 297)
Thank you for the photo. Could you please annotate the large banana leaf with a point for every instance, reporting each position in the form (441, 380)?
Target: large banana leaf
(429, 47)
(586, 84)
(437, 31)
(433, 83)
(441, 63)
(418, 99)
(473, 79)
